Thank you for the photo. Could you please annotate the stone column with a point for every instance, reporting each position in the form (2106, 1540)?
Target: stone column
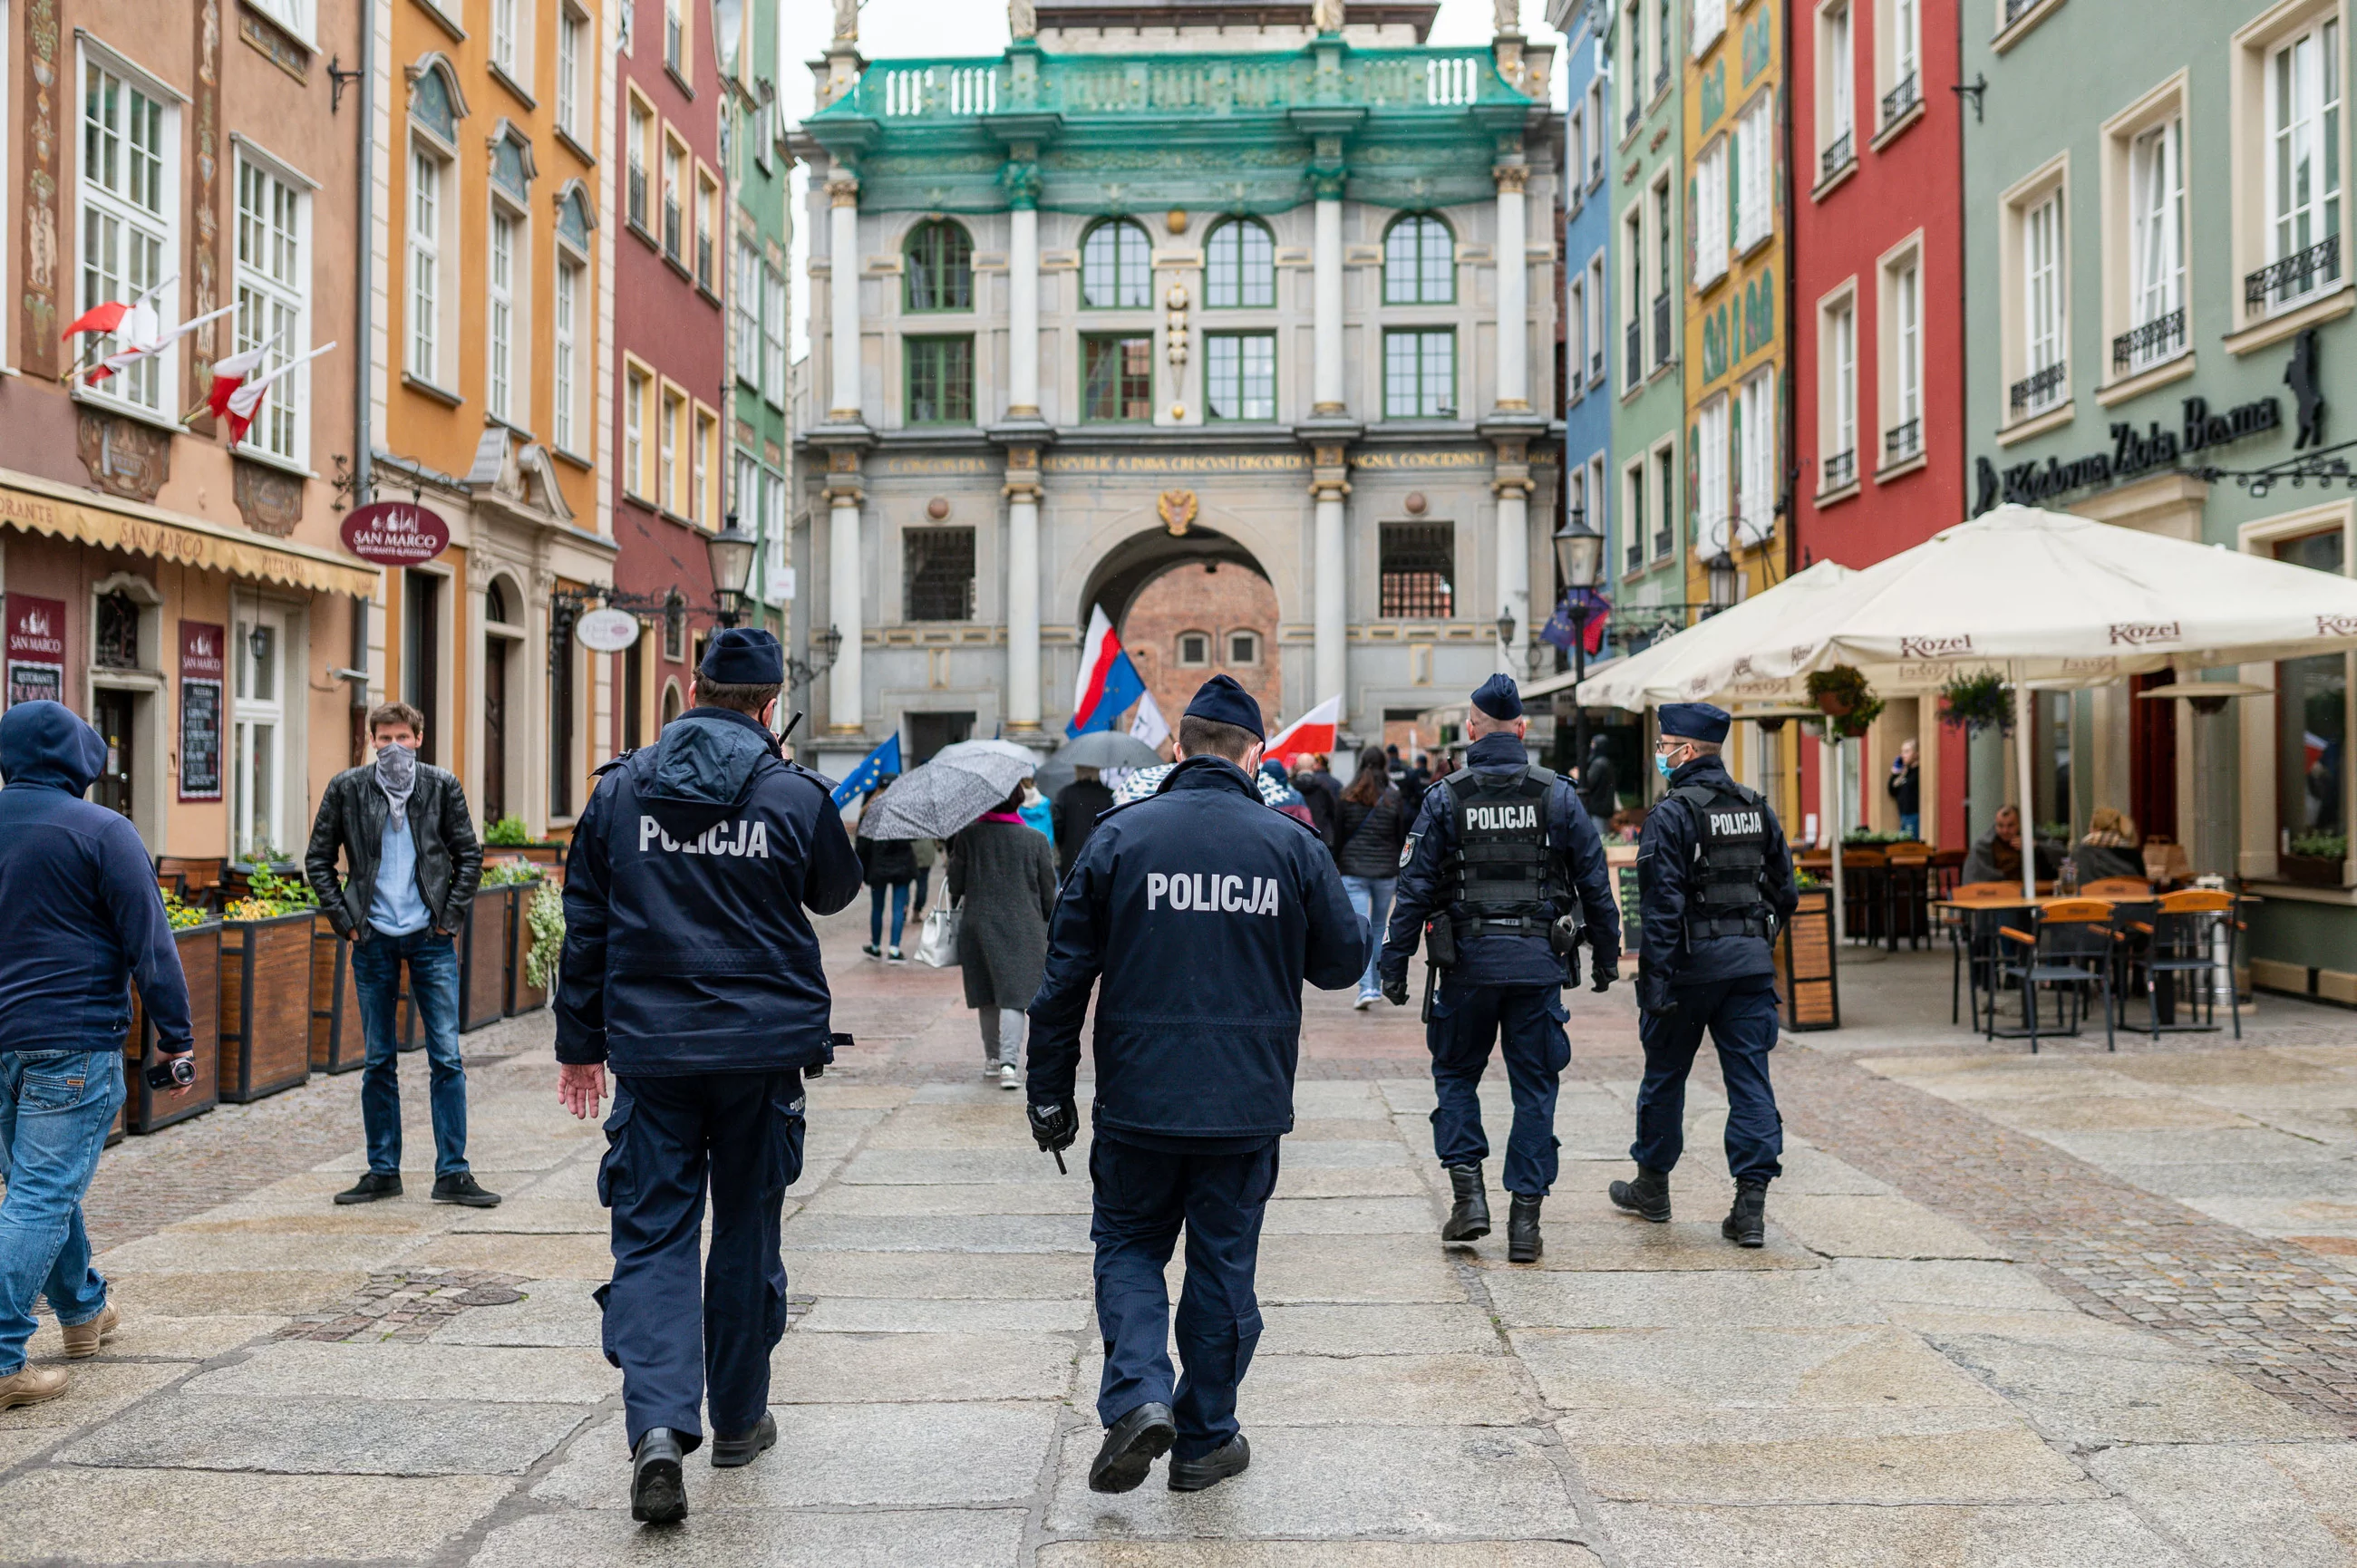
(843, 285)
(1329, 570)
(1514, 290)
(1327, 401)
(1022, 181)
(845, 694)
(1023, 589)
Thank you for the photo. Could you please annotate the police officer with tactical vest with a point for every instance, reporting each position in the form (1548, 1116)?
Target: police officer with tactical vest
(1203, 911)
(691, 970)
(1716, 881)
(1502, 856)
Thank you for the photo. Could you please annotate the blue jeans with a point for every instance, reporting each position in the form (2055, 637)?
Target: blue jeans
(1912, 824)
(433, 964)
(54, 1110)
(1372, 897)
(875, 913)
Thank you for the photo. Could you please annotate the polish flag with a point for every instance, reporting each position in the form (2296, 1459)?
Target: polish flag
(106, 317)
(246, 400)
(1109, 683)
(144, 337)
(232, 373)
(1312, 732)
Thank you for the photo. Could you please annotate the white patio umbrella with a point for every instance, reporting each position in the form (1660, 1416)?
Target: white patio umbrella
(2050, 602)
(1711, 658)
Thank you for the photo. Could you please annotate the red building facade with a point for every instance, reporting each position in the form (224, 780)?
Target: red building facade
(671, 363)
(1878, 344)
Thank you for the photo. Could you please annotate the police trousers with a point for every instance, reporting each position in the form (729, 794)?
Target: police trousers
(1530, 1019)
(1741, 1017)
(680, 1332)
(1142, 1196)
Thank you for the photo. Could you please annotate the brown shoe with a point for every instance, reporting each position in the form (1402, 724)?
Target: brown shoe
(31, 1385)
(84, 1338)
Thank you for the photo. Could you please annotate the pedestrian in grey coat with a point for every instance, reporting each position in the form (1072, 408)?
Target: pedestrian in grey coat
(1003, 876)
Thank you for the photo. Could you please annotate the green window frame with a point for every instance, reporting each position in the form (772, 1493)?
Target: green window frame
(1240, 267)
(1118, 380)
(939, 387)
(1116, 267)
(936, 268)
(1419, 261)
(1240, 375)
(1420, 372)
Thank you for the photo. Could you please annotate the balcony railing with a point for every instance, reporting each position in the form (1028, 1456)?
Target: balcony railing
(704, 260)
(1596, 369)
(671, 228)
(1841, 469)
(1629, 124)
(1634, 356)
(1596, 169)
(2039, 391)
(2014, 8)
(1901, 441)
(637, 193)
(1901, 98)
(2294, 278)
(1662, 542)
(2162, 337)
(1660, 329)
(1839, 155)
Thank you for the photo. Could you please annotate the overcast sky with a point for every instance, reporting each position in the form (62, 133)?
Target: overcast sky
(938, 27)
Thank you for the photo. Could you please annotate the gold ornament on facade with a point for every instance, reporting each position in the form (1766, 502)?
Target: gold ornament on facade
(1176, 221)
(1511, 178)
(1177, 510)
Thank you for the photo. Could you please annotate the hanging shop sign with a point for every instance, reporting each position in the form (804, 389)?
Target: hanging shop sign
(394, 534)
(606, 631)
(203, 665)
(36, 650)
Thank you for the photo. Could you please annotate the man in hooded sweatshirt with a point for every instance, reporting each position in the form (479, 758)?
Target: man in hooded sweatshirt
(691, 970)
(83, 916)
(413, 864)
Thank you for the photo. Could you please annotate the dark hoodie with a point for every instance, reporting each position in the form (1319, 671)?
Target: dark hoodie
(84, 911)
(686, 946)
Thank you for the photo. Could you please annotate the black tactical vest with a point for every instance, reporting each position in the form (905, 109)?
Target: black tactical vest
(1724, 896)
(1502, 874)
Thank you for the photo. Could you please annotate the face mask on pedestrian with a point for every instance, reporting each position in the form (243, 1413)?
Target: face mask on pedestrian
(396, 772)
(1662, 764)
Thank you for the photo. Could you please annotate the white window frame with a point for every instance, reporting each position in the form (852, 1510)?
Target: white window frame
(514, 24)
(2314, 131)
(1632, 237)
(272, 308)
(2157, 237)
(1709, 22)
(745, 311)
(1636, 541)
(1898, 354)
(1600, 310)
(1753, 433)
(1754, 172)
(1575, 328)
(703, 435)
(144, 388)
(249, 714)
(427, 209)
(1837, 70)
(1712, 487)
(505, 266)
(670, 407)
(566, 381)
(2045, 293)
(571, 35)
(1710, 215)
(636, 381)
(1903, 46)
(775, 333)
(1837, 386)
(294, 15)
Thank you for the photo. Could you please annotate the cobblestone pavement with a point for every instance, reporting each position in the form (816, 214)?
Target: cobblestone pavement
(1911, 1373)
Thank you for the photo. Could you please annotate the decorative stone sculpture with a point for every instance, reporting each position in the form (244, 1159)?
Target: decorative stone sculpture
(846, 21)
(1325, 16)
(1022, 19)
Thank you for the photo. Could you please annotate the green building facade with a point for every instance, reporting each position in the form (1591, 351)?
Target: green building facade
(759, 297)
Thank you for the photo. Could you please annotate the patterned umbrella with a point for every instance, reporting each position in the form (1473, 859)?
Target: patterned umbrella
(959, 784)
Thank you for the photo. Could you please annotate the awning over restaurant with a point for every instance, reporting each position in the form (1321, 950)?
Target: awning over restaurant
(39, 506)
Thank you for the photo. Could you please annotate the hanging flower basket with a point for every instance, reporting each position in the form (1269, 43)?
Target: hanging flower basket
(1976, 703)
(1842, 695)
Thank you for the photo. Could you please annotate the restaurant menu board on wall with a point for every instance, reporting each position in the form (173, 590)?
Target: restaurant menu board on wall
(201, 669)
(37, 649)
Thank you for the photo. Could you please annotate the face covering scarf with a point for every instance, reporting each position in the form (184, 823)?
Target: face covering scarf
(397, 774)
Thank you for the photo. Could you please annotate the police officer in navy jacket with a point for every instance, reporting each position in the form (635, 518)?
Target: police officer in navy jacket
(1502, 851)
(691, 970)
(1715, 880)
(1203, 911)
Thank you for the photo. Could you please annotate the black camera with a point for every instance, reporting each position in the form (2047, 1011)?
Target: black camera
(172, 1072)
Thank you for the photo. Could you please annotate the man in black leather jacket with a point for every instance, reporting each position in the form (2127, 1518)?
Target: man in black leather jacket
(412, 863)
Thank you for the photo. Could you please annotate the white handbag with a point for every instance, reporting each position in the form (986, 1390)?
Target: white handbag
(938, 943)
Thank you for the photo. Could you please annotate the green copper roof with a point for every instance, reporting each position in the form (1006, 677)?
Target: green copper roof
(1230, 132)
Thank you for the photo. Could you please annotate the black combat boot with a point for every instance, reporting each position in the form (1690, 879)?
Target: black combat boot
(1647, 1195)
(1523, 1243)
(657, 1495)
(1746, 1225)
(1468, 1217)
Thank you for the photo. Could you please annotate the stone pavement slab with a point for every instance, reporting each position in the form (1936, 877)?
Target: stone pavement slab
(1623, 1244)
(552, 1312)
(883, 1314)
(309, 1434)
(508, 1375)
(1386, 1328)
(1766, 1298)
(77, 1516)
(1383, 1391)
(2097, 1396)
(1610, 1369)
(1883, 1226)
(863, 1368)
(2245, 1505)
(937, 1234)
(1317, 1554)
(771, 1538)
(2052, 1535)
(980, 1276)
(1356, 1268)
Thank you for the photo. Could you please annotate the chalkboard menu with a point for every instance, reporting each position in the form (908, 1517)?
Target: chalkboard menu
(37, 649)
(203, 666)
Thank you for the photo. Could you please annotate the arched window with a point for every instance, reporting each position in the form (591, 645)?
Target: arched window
(940, 270)
(495, 603)
(1116, 267)
(1419, 261)
(1240, 267)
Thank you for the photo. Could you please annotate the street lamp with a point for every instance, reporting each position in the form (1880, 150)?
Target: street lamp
(1505, 624)
(1580, 555)
(730, 551)
(1721, 568)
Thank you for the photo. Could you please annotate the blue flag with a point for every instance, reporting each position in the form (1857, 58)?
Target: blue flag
(882, 763)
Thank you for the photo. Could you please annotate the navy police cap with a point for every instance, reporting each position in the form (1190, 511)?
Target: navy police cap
(1498, 697)
(1694, 721)
(1222, 701)
(737, 656)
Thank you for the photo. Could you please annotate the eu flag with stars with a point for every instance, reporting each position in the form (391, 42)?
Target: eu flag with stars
(878, 765)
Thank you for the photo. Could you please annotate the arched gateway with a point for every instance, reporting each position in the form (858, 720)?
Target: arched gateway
(1122, 315)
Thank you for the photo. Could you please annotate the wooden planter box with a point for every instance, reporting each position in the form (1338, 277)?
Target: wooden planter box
(339, 1042)
(524, 996)
(2309, 870)
(145, 1110)
(485, 949)
(1805, 961)
(265, 1005)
